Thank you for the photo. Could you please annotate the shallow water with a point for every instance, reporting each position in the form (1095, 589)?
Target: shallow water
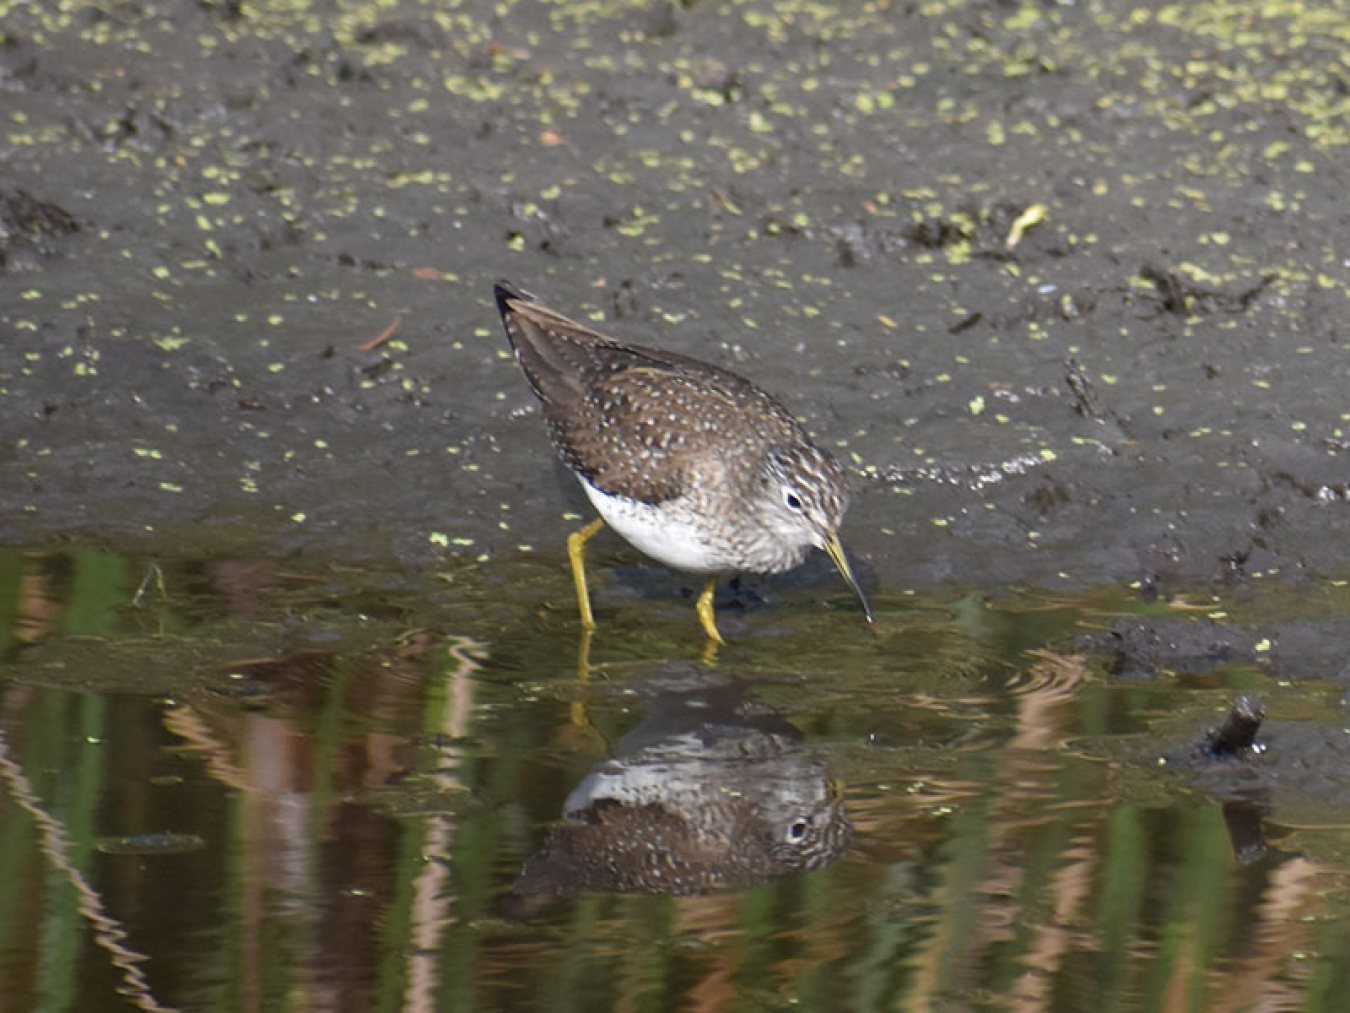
(236, 785)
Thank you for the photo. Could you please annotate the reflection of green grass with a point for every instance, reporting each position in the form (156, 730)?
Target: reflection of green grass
(63, 739)
(398, 928)
(1330, 976)
(11, 573)
(1196, 910)
(1125, 876)
(985, 867)
(102, 585)
(17, 858)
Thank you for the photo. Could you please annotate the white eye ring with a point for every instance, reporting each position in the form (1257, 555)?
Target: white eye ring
(793, 502)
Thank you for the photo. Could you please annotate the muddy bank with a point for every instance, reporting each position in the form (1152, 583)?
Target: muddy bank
(1066, 285)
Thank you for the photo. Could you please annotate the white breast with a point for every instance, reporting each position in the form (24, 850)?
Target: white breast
(663, 535)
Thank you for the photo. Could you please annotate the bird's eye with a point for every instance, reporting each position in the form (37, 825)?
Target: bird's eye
(798, 830)
(793, 502)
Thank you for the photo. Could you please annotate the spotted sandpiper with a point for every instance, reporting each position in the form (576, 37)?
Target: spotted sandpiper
(693, 465)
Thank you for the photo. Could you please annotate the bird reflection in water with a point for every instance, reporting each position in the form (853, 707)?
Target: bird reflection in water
(707, 792)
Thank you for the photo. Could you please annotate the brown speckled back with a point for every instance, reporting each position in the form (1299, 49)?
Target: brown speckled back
(630, 419)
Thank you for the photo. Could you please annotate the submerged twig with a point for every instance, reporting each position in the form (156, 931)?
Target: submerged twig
(154, 571)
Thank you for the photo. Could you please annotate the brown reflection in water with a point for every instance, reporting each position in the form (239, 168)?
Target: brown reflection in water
(1054, 939)
(992, 859)
(87, 591)
(1043, 719)
(244, 585)
(1026, 796)
(39, 603)
(1244, 819)
(432, 896)
(332, 728)
(1279, 928)
(699, 796)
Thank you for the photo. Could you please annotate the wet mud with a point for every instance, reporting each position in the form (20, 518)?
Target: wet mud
(1063, 284)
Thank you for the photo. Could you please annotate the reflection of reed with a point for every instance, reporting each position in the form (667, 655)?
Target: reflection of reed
(1279, 929)
(1021, 801)
(188, 725)
(1053, 681)
(711, 920)
(108, 931)
(1071, 892)
(315, 727)
(432, 896)
(1044, 715)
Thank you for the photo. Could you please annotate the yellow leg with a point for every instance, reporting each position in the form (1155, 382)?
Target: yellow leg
(577, 710)
(576, 552)
(705, 611)
(584, 657)
(580, 733)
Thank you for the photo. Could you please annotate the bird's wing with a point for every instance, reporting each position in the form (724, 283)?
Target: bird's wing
(645, 430)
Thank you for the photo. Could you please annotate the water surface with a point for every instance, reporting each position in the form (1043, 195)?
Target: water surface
(237, 785)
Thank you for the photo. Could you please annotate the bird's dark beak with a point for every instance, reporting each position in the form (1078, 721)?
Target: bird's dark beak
(835, 551)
